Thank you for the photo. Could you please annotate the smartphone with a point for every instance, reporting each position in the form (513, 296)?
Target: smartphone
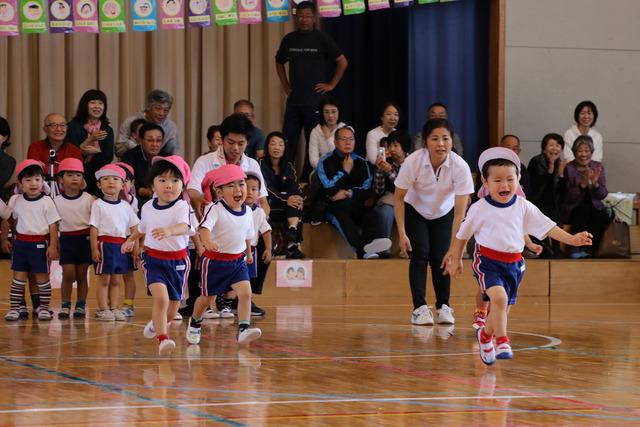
(382, 152)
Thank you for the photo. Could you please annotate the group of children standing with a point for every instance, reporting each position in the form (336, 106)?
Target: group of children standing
(78, 230)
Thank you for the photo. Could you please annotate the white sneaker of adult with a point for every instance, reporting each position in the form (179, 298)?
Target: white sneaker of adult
(422, 316)
(377, 245)
(445, 315)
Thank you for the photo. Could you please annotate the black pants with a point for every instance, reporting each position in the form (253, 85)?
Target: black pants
(257, 283)
(429, 243)
(358, 224)
(586, 217)
(296, 118)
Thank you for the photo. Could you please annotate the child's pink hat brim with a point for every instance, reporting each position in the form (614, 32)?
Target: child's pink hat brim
(71, 164)
(178, 162)
(26, 163)
(111, 170)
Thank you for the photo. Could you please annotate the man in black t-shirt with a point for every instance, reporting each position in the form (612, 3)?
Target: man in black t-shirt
(309, 52)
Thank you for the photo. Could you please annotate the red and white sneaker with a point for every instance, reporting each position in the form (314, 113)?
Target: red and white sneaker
(503, 348)
(479, 319)
(485, 348)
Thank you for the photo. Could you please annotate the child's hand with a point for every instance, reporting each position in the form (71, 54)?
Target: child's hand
(581, 239)
(96, 256)
(53, 253)
(535, 248)
(160, 233)
(266, 256)
(249, 258)
(127, 246)
(212, 247)
(6, 246)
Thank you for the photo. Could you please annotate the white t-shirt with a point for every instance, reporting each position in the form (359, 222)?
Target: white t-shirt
(75, 212)
(373, 143)
(570, 136)
(5, 211)
(502, 227)
(33, 216)
(230, 230)
(210, 161)
(113, 219)
(431, 193)
(319, 145)
(155, 216)
(260, 224)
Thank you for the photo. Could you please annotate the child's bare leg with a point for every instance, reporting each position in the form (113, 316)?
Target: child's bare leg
(243, 292)
(129, 288)
(201, 304)
(102, 291)
(172, 310)
(497, 319)
(66, 287)
(114, 291)
(481, 305)
(81, 280)
(160, 307)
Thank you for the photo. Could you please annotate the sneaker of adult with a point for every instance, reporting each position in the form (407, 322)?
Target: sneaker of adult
(119, 315)
(12, 315)
(370, 256)
(105, 316)
(257, 311)
(149, 331)
(479, 319)
(422, 316)
(64, 313)
(166, 347)
(486, 350)
(377, 245)
(193, 334)
(445, 315)
(210, 314)
(503, 351)
(247, 335)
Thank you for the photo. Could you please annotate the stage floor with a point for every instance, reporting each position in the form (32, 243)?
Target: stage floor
(342, 362)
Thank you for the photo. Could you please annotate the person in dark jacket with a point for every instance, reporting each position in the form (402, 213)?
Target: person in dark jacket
(346, 183)
(284, 194)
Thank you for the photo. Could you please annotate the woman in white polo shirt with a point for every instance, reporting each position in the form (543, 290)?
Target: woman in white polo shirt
(431, 197)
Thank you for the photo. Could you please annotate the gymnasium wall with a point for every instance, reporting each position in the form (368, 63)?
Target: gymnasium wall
(561, 52)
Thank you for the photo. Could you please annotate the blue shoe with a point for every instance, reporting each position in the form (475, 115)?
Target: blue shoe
(579, 255)
(503, 351)
(128, 311)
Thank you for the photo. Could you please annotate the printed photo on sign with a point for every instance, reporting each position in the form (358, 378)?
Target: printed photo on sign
(224, 5)
(7, 12)
(294, 274)
(85, 10)
(198, 7)
(111, 9)
(143, 8)
(249, 4)
(32, 10)
(276, 4)
(171, 7)
(60, 10)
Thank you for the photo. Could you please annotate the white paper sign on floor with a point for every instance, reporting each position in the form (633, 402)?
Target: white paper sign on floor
(294, 274)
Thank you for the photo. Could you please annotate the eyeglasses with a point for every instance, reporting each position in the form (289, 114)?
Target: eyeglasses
(56, 125)
(343, 138)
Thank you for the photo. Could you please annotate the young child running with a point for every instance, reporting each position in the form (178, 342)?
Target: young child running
(74, 207)
(499, 222)
(165, 225)
(36, 238)
(226, 231)
(112, 220)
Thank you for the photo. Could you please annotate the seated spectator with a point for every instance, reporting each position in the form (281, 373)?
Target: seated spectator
(387, 168)
(512, 142)
(214, 138)
(156, 110)
(438, 110)
(582, 206)
(55, 127)
(89, 130)
(346, 183)
(585, 115)
(546, 171)
(151, 137)
(321, 138)
(7, 162)
(255, 146)
(285, 197)
(389, 120)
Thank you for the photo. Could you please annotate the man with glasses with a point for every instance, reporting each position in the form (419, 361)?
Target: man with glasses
(346, 183)
(255, 147)
(156, 111)
(55, 127)
(309, 52)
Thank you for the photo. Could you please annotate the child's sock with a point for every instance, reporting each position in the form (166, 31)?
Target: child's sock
(35, 302)
(66, 304)
(162, 338)
(502, 340)
(128, 302)
(196, 323)
(484, 337)
(16, 294)
(44, 290)
(242, 325)
(81, 303)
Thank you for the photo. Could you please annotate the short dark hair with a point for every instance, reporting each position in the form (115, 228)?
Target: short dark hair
(241, 102)
(135, 125)
(82, 112)
(29, 171)
(391, 104)
(582, 140)
(307, 5)
(435, 124)
(211, 132)
(326, 100)
(162, 167)
(158, 96)
(402, 137)
(236, 123)
(5, 130)
(496, 162)
(149, 127)
(509, 135)
(548, 137)
(253, 177)
(580, 106)
(437, 104)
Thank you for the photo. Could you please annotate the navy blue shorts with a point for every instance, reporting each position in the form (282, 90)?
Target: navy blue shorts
(489, 273)
(30, 257)
(75, 249)
(253, 268)
(113, 261)
(218, 276)
(173, 273)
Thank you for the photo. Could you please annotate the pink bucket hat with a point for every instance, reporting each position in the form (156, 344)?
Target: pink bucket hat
(71, 164)
(111, 170)
(178, 162)
(26, 163)
(226, 174)
(499, 153)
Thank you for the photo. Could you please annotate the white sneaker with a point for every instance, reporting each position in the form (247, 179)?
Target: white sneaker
(12, 315)
(119, 315)
(422, 316)
(178, 317)
(193, 334)
(377, 245)
(248, 335)
(44, 314)
(226, 313)
(487, 351)
(166, 347)
(445, 315)
(370, 256)
(149, 331)
(210, 314)
(105, 315)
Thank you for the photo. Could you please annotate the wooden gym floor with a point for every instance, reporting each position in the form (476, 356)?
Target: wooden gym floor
(328, 362)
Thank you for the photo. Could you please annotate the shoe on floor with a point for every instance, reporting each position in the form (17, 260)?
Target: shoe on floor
(257, 311)
(479, 319)
(486, 350)
(377, 245)
(12, 315)
(23, 313)
(64, 313)
(422, 316)
(128, 311)
(445, 315)
(178, 317)
(149, 331)
(105, 316)
(503, 350)
(44, 314)
(79, 313)
(249, 334)
(166, 347)
(224, 307)
(119, 315)
(193, 334)
(210, 314)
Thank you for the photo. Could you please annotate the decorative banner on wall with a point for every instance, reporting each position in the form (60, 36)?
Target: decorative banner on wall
(199, 13)
(353, 7)
(143, 15)
(171, 14)
(112, 16)
(85, 16)
(402, 3)
(225, 12)
(277, 10)
(329, 8)
(60, 16)
(427, 1)
(8, 18)
(33, 17)
(378, 4)
(249, 11)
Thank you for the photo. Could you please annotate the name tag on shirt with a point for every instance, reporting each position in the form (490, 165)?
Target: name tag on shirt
(40, 246)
